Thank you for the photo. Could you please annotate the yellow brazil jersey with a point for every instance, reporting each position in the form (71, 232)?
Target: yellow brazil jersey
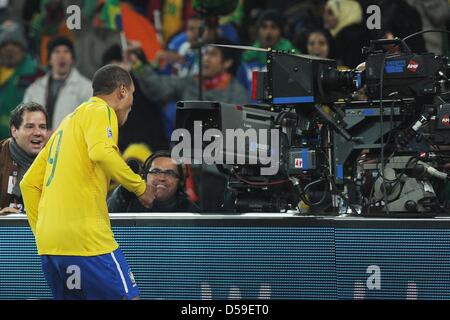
(65, 188)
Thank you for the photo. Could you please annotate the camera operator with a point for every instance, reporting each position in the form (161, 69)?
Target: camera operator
(166, 179)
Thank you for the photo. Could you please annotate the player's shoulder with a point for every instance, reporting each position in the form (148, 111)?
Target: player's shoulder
(94, 108)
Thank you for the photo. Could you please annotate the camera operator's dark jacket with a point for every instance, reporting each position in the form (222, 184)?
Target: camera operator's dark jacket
(121, 200)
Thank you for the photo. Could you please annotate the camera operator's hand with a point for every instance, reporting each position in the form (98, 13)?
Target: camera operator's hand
(148, 197)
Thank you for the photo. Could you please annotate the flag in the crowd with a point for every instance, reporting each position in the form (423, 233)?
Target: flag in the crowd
(112, 15)
(132, 26)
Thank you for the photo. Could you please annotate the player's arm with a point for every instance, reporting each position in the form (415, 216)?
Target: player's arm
(31, 187)
(105, 153)
(109, 159)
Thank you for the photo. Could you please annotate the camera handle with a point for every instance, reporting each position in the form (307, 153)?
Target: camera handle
(374, 44)
(336, 125)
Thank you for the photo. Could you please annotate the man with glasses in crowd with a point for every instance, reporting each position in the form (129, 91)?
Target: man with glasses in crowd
(166, 178)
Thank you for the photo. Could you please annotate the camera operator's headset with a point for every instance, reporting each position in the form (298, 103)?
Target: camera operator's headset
(181, 168)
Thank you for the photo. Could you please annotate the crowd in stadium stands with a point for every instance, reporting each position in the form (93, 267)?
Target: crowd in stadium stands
(44, 61)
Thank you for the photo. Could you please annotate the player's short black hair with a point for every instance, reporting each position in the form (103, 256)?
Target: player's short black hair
(108, 78)
(16, 118)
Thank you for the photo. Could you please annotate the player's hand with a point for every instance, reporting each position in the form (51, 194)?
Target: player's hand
(148, 196)
(7, 210)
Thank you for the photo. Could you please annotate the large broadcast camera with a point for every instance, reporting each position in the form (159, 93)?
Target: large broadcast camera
(369, 141)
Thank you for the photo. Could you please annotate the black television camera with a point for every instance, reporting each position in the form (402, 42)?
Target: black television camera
(385, 153)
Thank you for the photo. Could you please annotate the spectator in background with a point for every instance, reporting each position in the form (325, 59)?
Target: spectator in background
(182, 54)
(249, 30)
(17, 71)
(137, 28)
(92, 40)
(98, 34)
(28, 125)
(145, 122)
(173, 15)
(49, 24)
(182, 57)
(63, 88)
(319, 44)
(343, 19)
(11, 10)
(218, 81)
(302, 18)
(270, 35)
(400, 20)
(166, 178)
(434, 14)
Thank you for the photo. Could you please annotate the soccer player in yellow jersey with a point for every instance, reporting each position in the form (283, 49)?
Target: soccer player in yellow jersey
(65, 189)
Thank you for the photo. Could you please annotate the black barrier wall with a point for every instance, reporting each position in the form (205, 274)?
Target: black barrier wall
(216, 257)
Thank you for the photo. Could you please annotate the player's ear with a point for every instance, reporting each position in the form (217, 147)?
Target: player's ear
(123, 91)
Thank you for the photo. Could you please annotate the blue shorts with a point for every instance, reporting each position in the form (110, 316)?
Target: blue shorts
(106, 276)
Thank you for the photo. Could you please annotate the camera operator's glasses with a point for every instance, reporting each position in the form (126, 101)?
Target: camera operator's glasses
(164, 173)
